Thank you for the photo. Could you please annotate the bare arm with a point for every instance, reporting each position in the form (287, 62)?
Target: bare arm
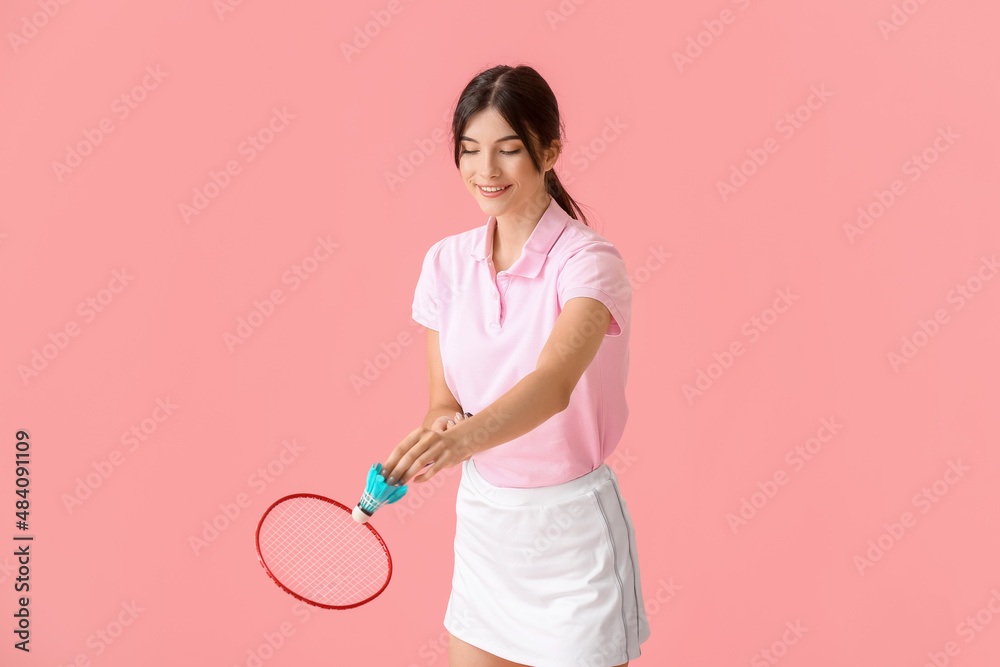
(442, 401)
(571, 346)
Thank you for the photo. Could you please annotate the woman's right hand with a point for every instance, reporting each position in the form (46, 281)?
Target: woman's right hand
(445, 446)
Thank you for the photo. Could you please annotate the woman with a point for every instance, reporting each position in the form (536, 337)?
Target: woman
(546, 572)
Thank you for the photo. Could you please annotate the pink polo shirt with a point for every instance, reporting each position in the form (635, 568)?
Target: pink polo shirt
(492, 332)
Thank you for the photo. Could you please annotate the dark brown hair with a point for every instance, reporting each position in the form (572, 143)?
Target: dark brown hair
(524, 100)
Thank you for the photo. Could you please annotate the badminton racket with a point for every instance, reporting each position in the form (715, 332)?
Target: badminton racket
(314, 550)
(323, 553)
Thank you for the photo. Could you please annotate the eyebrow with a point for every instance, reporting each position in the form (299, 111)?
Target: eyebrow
(507, 138)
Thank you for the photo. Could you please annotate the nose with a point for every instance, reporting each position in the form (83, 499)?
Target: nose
(488, 167)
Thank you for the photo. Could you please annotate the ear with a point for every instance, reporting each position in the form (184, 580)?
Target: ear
(551, 154)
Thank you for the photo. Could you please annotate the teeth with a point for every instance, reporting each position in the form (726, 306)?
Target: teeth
(486, 189)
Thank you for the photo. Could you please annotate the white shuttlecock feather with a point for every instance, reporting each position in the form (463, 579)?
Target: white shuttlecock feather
(377, 493)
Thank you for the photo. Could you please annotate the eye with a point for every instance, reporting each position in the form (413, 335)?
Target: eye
(503, 152)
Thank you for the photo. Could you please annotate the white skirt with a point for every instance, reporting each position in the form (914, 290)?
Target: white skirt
(547, 576)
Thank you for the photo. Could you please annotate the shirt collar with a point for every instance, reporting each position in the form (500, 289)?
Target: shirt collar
(535, 249)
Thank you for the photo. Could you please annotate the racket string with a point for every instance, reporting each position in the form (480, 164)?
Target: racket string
(318, 551)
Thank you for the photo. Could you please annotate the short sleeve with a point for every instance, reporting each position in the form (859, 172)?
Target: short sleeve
(598, 271)
(426, 304)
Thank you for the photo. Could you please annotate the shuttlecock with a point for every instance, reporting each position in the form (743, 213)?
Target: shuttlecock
(377, 493)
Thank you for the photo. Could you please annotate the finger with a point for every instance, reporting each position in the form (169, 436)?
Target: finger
(419, 463)
(420, 476)
(428, 471)
(413, 460)
(390, 465)
(426, 475)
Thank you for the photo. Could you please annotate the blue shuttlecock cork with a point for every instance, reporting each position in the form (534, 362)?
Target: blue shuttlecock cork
(377, 493)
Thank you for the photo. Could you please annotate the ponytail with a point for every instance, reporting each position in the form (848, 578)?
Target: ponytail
(555, 188)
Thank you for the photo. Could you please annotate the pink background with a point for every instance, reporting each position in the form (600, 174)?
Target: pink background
(647, 143)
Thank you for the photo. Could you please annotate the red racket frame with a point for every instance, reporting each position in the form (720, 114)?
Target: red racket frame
(260, 558)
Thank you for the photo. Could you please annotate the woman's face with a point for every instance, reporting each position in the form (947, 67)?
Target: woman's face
(492, 156)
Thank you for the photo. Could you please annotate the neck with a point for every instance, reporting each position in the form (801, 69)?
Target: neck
(513, 230)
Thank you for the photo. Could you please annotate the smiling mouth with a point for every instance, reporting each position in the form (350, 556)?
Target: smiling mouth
(492, 192)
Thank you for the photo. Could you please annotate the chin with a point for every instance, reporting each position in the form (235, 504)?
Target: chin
(495, 211)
